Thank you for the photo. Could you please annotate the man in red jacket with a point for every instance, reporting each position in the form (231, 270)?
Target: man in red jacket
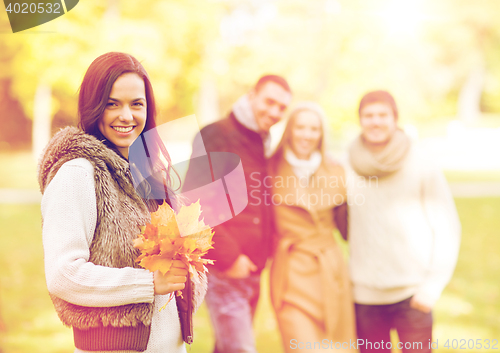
(242, 244)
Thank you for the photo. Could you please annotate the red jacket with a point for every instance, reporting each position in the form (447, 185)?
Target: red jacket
(250, 231)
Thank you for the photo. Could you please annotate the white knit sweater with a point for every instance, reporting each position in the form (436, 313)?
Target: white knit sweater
(404, 234)
(69, 219)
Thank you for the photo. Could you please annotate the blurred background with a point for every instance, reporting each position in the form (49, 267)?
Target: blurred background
(439, 58)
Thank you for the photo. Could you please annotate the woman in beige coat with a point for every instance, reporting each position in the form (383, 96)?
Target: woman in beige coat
(310, 287)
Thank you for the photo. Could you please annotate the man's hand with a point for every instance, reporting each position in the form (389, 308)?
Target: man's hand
(419, 306)
(241, 268)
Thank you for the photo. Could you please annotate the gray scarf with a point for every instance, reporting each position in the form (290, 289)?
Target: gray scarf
(380, 164)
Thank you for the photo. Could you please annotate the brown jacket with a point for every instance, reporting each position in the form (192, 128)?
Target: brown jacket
(248, 232)
(309, 276)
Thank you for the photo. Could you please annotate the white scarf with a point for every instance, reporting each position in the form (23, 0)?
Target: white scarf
(243, 112)
(303, 168)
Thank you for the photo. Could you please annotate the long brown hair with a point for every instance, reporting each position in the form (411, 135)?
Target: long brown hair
(93, 97)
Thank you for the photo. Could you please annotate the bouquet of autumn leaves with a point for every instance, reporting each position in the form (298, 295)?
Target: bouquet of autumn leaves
(172, 236)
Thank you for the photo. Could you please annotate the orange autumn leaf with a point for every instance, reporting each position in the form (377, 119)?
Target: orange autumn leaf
(188, 246)
(203, 240)
(167, 246)
(187, 219)
(149, 231)
(172, 236)
(198, 266)
(164, 215)
(157, 263)
(147, 246)
(168, 231)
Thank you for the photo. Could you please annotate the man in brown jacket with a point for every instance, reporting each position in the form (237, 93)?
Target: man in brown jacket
(242, 244)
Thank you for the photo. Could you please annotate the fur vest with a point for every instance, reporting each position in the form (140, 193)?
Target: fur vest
(120, 212)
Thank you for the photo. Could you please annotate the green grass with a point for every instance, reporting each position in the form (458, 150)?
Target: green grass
(25, 307)
(18, 170)
(460, 176)
(468, 308)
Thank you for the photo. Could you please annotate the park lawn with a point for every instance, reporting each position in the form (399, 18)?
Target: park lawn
(469, 306)
(18, 170)
(468, 309)
(26, 309)
(472, 176)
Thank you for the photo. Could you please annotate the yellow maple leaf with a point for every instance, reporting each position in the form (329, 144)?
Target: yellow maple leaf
(169, 236)
(198, 266)
(149, 231)
(203, 239)
(188, 219)
(157, 263)
(168, 247)
(188, 246)
(169, 230)
(164, 215)
(149, 246)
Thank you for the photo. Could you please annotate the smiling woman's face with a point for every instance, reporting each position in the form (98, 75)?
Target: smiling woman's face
(306, 134)
(125, 115)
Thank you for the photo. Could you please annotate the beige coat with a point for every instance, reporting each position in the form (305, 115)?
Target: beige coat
(310, 287)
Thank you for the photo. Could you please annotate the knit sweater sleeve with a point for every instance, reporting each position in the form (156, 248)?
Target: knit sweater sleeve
(443, 218)
(69, 219)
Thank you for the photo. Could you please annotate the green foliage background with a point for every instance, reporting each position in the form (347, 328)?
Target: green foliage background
(331, 51)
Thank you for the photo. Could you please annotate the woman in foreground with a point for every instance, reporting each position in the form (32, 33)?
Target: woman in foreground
(92, 213)
(310, 287)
